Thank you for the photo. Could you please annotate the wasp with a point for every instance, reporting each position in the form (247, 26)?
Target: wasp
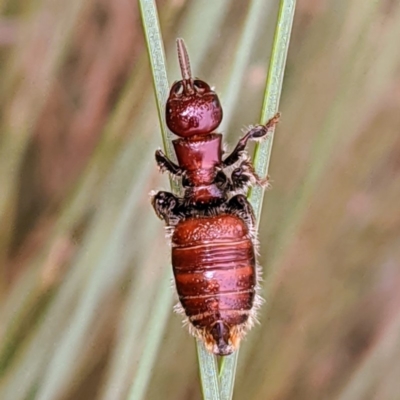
(212, 224)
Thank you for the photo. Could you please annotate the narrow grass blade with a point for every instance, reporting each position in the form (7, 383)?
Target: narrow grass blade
(208, 366)
(227, 375)
(332, 128)
(263, 150)
(208, 373)
(151, 26)
(262, 153)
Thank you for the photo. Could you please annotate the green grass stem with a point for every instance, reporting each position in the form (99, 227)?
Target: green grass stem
(262, 153)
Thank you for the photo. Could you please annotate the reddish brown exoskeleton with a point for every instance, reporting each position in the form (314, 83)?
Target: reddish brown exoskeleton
(212, 225)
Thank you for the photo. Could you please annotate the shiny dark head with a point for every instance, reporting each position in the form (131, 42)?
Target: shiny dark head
(193, 108)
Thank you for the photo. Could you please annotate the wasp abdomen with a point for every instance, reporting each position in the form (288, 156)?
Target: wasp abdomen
(214, 266)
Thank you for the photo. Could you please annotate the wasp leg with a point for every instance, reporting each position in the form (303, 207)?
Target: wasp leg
(222, 182)
(245, 176)
(165, 164)
(241, 179)
(239, 205)
(167, 207)
(256, 132)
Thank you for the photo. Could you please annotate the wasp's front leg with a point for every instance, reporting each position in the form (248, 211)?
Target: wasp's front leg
(165, 164)
(256, 132)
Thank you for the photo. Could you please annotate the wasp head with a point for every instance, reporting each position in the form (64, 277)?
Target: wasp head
(193, 108)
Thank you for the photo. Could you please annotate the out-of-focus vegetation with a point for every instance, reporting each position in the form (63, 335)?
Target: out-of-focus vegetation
(85, 308)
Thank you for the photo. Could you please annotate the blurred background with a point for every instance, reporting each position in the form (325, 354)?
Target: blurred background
(86, 299)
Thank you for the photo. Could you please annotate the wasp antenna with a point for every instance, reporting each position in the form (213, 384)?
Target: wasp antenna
(183, 57)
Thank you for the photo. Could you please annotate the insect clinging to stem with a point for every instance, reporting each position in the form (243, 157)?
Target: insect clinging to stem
(212, 224)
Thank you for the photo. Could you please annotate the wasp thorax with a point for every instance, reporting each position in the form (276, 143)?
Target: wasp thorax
(192, 108)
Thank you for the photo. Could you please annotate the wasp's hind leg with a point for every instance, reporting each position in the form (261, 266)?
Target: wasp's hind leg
(167, 207)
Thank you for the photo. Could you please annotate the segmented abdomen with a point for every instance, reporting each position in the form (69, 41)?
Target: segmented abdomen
(214, 266)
